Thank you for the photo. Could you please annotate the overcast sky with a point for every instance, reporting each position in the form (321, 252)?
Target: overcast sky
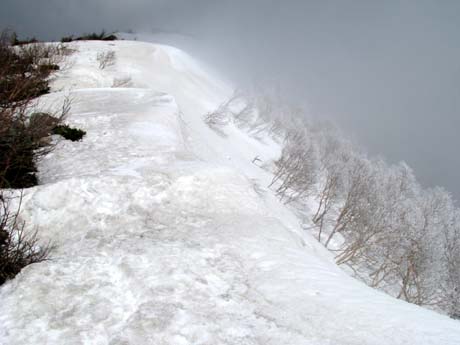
(387, 71)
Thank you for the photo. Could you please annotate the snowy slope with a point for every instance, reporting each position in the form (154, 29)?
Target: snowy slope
(166, 233)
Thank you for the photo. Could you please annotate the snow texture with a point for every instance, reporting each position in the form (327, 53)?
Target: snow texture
(167, 234)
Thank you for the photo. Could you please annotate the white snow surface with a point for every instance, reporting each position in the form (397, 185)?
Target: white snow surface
(165, 232)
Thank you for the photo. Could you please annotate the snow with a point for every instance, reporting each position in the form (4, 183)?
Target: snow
(165, 231)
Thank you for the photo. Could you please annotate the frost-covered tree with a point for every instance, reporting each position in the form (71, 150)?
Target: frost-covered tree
(451, 283)
(297, 168)
(394, 234)
(335, 157)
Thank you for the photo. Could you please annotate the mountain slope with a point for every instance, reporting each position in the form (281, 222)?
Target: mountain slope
(166, 233)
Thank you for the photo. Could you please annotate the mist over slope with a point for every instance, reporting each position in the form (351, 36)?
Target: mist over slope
(380, 69)
(166, 232)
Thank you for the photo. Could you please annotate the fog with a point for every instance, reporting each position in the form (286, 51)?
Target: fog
(388, 72)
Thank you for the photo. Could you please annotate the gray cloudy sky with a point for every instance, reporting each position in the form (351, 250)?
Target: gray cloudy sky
(387, 71)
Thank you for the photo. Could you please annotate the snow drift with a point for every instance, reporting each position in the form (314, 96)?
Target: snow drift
(167, 234)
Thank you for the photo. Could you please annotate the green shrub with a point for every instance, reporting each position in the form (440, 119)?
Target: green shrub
(69, 133)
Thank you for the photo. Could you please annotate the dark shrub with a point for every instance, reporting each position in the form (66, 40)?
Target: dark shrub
(67, 39)
(47, 68)
(102, 36)
(69, 133)
(110, 38)
(17, 168)
(17, 42)
(19, 144)
(23, 142)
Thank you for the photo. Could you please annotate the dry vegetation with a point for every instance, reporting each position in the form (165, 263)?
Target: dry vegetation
(18, 248)
(25, 70)
(106, 59)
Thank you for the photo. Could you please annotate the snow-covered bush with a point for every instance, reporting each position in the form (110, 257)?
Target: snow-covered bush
(221, 116)
(122, 82)
(106, 59)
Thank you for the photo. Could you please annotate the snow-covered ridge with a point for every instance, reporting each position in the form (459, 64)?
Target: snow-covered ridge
(167, 234)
